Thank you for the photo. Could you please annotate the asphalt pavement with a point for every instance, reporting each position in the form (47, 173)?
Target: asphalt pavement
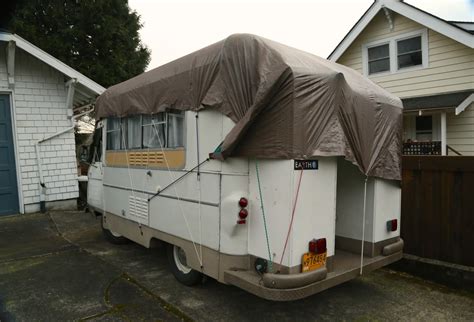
(58, 267)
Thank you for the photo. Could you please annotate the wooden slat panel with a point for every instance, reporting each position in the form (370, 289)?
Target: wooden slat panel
(437, 208)
(147, 158)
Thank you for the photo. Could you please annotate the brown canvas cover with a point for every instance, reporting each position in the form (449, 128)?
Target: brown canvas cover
(286, 103)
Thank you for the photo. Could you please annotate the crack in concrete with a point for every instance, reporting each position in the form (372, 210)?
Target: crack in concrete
(57, 252)
(118, 308)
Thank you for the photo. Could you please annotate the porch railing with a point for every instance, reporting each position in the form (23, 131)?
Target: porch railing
(422, 148)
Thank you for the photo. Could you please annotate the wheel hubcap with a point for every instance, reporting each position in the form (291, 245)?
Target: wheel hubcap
(180, 260)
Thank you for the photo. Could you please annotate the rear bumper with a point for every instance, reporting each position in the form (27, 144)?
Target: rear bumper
(297, 286)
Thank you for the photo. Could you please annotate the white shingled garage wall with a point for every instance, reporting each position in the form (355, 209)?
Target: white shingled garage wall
(39, 109)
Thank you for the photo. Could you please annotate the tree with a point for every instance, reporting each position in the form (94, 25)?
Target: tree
(99, 38)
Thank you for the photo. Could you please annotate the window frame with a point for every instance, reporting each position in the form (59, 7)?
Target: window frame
(108, 131)
(127, 141)
(393, 51)
(389, 57)
(430, 132)
(123, 130)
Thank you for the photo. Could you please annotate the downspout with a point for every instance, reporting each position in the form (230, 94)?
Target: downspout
(70, 96)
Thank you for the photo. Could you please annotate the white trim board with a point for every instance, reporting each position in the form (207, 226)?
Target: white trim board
(439, 25)
(53, 62)
(464, 104)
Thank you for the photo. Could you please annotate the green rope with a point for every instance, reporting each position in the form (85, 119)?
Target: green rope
(263, 215)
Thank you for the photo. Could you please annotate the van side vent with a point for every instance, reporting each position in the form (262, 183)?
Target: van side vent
(147, 158)
(138, 207)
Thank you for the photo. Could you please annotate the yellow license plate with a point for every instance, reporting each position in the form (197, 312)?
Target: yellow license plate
(312, 261)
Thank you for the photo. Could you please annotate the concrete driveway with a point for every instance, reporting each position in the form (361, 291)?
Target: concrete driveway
(58, 267)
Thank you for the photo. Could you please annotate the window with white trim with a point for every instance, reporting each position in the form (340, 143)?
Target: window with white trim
(424, 128)
(409, 52)
(379, 58)
(399, 53)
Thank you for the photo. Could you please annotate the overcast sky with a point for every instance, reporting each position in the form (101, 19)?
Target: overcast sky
(175, 28)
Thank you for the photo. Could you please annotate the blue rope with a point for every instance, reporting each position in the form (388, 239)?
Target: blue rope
(263, 215)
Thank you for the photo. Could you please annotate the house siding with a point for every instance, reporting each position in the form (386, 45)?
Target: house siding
(460, 131)
(450, 67)
(40, 110)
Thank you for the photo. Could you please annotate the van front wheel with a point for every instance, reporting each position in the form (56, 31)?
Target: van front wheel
(179, 267)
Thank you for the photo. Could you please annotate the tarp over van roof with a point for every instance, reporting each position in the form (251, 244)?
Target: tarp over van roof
(286, 103)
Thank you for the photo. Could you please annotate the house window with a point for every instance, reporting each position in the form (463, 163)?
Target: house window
(379, 59)
(424, 128)
(409, 52)
(396, 54)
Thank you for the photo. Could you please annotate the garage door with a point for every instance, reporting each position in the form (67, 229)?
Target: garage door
(8, 185)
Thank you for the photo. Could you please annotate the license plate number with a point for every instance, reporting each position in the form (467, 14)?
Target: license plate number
(312, 261)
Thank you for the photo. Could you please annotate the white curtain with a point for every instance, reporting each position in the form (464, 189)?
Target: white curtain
(134, 132)
(175, 130)
(153, 136)
(113, 133)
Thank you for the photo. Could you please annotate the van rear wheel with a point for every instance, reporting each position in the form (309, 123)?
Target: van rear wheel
(179, 267)
(113, 237)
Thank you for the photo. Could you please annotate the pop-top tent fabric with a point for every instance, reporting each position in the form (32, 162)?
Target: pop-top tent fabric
(286, 103)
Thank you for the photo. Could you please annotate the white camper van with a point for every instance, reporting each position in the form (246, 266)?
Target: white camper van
(246, 181)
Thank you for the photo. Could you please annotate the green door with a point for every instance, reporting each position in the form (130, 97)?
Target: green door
(8, 185)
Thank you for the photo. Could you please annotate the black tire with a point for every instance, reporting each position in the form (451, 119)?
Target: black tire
(113, 238)
(185, 275)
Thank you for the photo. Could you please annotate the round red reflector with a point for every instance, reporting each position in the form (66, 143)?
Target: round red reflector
(243, 213)
(243, 202)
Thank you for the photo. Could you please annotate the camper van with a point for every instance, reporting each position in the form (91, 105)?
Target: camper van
(257, 165)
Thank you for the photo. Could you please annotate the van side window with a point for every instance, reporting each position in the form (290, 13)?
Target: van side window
(95, 152)
(114, 133)
(154, 129)
(134, 132)
(162, 130)
(175, 123)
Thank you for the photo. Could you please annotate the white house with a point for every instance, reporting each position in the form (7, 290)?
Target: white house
(428, 62)
(39, 97)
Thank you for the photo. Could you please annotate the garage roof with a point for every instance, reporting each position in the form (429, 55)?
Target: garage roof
(86, 89)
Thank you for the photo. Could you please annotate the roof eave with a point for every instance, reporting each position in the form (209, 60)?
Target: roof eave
(435, 23)
(53, 62)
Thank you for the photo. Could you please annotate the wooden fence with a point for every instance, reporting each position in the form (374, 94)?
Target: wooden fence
(438, 208)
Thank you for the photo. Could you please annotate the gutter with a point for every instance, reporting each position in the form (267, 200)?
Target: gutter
(37, 144)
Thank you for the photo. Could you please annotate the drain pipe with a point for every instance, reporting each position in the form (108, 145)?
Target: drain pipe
(363, 227)
(71, 83)
(38, 157)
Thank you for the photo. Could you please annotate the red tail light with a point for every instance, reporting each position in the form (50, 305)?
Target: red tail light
(317, 246)
(243, 213)
(243, 202)
(392, 225)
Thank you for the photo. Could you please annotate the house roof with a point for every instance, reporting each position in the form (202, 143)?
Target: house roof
(86, 88)
(449, 100)
(459, 31)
